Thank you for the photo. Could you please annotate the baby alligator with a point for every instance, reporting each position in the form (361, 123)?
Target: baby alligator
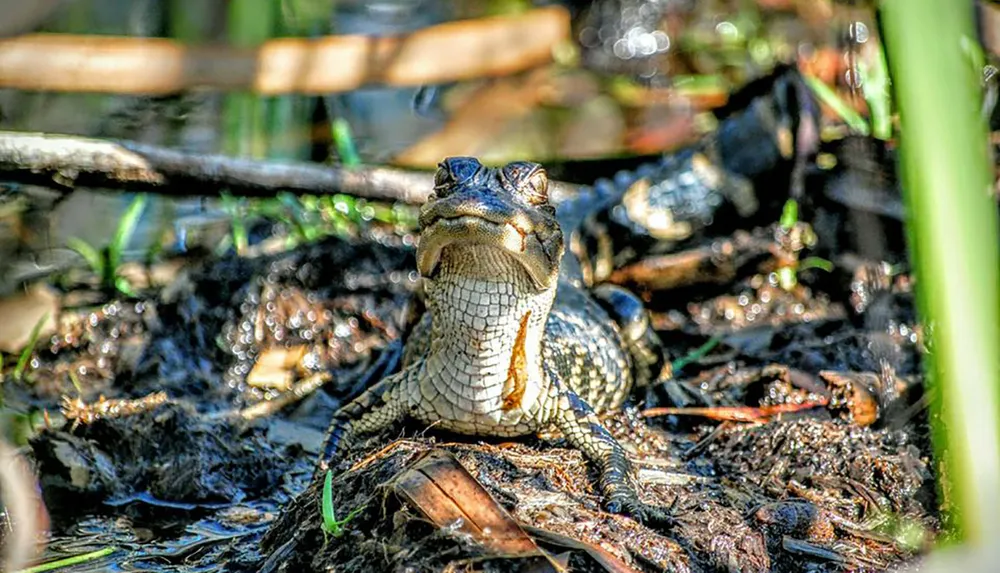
(510, 344)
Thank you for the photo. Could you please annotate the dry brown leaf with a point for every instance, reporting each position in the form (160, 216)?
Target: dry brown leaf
(441, 489)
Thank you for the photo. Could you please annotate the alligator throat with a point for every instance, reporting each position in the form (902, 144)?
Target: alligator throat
(488, 320)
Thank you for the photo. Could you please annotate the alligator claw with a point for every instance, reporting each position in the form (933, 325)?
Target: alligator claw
(657, 517)
(626, 503)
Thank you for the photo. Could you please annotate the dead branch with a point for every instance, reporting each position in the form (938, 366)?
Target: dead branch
(65, 162)
(448, 52)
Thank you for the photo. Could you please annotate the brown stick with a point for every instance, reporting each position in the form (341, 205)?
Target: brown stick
(64, 162)
(448, 52)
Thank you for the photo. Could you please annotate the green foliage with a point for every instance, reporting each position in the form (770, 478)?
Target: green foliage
(106, 262)
(237, 210)
(878, 95)
(946, 171)
(696, 354)
(344, 141)
(19, 427)
(68, 561)
(25, 358)
(93, 256)
(246, 130)
(331, 525)
(789, 214)
(788, 271)
(306, 17)
(126, 228)
(826, 95)
(309, 218)
(815, 263)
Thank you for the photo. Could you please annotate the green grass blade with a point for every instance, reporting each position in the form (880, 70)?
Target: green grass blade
(330, 524)
(126, 228)
(947, 182)
(90, 254)
(235, 206)
(875, 84)
(244, 115)
(816, 263)
(123, 286)
(344, 141)
(695, 355)
(68, 561)
(22, 361)
(826, 95)
(350, 516)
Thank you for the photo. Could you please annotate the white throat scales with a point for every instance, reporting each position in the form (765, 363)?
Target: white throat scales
(488, 318)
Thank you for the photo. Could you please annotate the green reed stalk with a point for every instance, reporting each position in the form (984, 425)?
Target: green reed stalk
(948, 183)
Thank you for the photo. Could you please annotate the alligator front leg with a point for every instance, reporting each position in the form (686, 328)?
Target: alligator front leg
(378, 408)
(584, 431)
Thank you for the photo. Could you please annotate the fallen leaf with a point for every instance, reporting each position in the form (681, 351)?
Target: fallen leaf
(441, 489)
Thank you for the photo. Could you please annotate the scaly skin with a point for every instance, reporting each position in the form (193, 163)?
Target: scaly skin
(509, 345)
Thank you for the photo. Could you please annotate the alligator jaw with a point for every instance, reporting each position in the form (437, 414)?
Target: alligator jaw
(466, 230)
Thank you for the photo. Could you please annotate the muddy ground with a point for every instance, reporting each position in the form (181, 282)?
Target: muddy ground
(182, 426)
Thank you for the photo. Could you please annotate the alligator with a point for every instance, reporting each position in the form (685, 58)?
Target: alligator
(517, 338)
(751, 164)
(510, 344)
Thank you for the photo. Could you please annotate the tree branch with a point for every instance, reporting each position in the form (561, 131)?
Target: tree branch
(65, 162)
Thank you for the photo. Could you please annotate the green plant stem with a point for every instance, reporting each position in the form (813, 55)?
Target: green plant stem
(953, 238)
(250, 23)
(826, 94)
(344, 141)
(332, 525)
(875, 77)
(789, 214)
(695, 355)
(22, 362)
(123, 234)
(329, 517)
(66, 562)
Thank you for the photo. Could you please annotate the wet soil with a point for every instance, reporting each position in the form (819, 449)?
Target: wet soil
(799, 443)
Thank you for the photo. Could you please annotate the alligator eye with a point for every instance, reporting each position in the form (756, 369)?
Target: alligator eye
(455, 171)
(528, 178)
(538, 184)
